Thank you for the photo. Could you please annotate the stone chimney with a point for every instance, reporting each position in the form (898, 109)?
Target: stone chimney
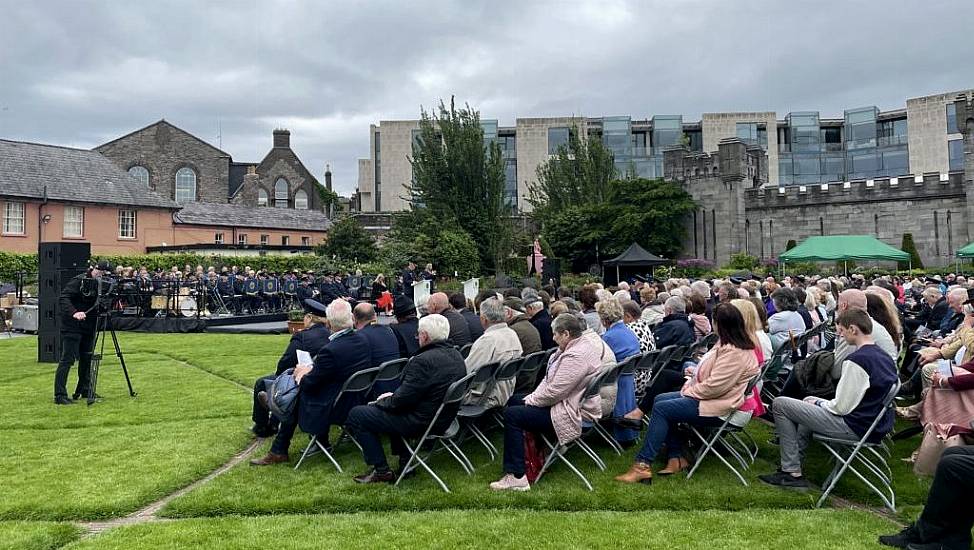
(328, 177)
(247, 194)
(282, 139)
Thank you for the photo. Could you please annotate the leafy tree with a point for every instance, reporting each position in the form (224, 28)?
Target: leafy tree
(459, 178)
(579, 173)
(910, 248)
(348, 240)
(329, 198)
(456, 251)
(649, 212)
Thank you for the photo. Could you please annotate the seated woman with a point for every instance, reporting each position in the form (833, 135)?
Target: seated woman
(786, 323)
(631, 315)
(555, 406)
(715, 389)
(697, 307)
(624, 344)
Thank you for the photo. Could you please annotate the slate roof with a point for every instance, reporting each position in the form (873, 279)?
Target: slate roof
(232, 215)
(29, 170)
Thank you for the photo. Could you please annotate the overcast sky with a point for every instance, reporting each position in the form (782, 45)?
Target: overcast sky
(82, 73)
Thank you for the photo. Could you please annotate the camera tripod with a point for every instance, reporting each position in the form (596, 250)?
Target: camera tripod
(103, 325)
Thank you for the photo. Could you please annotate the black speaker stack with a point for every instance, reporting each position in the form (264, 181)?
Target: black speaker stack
(58, 263)
(551, 270)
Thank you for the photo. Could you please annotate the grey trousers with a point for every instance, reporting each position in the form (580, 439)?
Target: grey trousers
(795, 420)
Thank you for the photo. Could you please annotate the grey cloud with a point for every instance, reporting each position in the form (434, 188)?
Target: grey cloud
(81, 73)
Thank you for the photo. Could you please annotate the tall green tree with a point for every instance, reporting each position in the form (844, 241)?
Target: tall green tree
(578, 173)
(458, 176)
(348, 240)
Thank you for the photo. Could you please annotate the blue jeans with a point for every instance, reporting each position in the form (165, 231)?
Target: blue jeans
(670, 409)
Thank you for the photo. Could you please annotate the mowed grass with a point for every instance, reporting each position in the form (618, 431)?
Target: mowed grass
(36, 535)
(80, 462)
(818, 529)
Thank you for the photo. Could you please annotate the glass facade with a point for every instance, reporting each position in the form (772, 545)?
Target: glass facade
(952, 119)
(617, 138)
(667, 131)
(508, 145)
(753, 133)
(557, 137)
(955, 154)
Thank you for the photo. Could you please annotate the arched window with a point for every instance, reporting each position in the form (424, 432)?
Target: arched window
(185, 185)
(280, 193)
(301, 199)
(261, 197)
(140, 173)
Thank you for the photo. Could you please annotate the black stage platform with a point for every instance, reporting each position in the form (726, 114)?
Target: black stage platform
(190, 324)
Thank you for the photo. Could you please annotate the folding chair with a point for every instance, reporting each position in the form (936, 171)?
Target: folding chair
(527, 376)
(468, 415)
(558, 452)
(848, 453)
(389, 371)
(720, 435)
(358, 383)
(453, 396)
(465, 350)
(627, 366)
(771, 375)
(644, 371)
(484, 377)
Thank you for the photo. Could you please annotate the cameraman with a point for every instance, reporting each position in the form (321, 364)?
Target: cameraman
(77, 300)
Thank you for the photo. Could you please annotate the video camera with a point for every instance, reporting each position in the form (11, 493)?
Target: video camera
(103, 289)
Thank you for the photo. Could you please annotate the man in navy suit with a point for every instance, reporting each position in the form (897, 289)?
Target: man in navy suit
(382, 341)
(311, 339)
(346, 353)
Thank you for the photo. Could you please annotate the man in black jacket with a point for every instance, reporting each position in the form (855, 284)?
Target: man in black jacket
(537, 310)
(406, 327)
(675, 328)
(408, 411)
(78, 317)
(459, 303)
(311, 339)
(459, 333)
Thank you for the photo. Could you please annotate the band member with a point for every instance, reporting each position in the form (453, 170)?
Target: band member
(408, 278)
(77, 332)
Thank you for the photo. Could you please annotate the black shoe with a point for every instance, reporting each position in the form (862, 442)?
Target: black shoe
(263, 431)
(901, 539)
(785, 480)
(63, 400)
(628, 423)
(925, 546)
(376, 476)
(262, 399)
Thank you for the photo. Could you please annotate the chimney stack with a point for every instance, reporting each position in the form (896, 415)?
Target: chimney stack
(328, 177)
(282, 138)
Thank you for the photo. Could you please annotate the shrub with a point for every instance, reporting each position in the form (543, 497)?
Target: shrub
(910, 248)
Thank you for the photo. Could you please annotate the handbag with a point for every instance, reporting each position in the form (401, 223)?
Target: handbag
(932, 448)
(533, 458)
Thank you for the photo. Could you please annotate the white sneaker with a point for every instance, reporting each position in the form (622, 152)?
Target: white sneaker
(511, 483)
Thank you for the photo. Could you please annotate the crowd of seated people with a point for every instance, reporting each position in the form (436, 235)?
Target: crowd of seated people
(885, 329)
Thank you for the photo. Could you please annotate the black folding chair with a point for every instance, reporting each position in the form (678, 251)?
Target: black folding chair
(527, 376)
(453, 396)
(627, 366)
(465, 350)
(357, 384)
(389, 371)
(483, 381)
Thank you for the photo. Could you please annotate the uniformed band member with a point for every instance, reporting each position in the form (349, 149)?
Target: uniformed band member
(77, 332)
(311, 339)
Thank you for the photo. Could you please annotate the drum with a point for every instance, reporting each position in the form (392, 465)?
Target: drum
(187, 306)
(290, 287)
(159, 302)
(251, 286)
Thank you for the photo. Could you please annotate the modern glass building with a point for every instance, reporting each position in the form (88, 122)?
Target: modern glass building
(803, 147)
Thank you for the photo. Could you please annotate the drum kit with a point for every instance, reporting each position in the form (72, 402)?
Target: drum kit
(181, 302)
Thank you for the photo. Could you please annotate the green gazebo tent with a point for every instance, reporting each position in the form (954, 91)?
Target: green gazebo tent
(967, 251)
(843, 248)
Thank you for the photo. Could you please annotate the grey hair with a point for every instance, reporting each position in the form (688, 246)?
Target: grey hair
(701, 288)
(566, 322)
(339, 314)
(675, 304)
(932, 291)
(435, 326)
(492, 309)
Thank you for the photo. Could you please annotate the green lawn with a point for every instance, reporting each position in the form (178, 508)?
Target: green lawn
(511, 529)
(192, 414)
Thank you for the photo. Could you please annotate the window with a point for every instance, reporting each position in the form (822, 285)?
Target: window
(952, 127)
(748, 131)
(140, 173)
(305, 241)
(955, 154)
(280, 193)
(556, 138)
(185, 185)
(301, 199)
(285, 240)
(126, 224)
(218, 238)
(13, 218)
(264, 239)
(896, 162)
(242, 239)
(261, 197)
(74, 221)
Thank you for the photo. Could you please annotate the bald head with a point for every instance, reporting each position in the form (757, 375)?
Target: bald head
(363, 314)
(438, 303)
(851, 298)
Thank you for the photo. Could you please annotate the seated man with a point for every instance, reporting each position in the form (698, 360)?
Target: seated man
(867, 375)
(536, 309)
(498, 344)
(346, 353)
(459, 333)
(459, 303)
(408, 411)
(382, 341)
(406, 327)
(311, 339)
(675, 328)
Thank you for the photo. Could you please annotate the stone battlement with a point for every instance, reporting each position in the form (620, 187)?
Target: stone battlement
(902, 188)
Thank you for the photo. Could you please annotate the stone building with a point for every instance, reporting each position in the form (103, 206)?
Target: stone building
(738, 212)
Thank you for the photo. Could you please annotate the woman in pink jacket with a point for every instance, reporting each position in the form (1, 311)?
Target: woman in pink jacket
(555, 408)
(713, 390)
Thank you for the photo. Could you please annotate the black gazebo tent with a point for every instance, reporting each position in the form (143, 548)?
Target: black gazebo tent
(634, 260)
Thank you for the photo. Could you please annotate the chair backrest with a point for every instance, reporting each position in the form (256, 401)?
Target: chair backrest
(888, 403)
(453, 396)
(610, 375)
(360, 382)
(600, 380)
(391, 370)
(628, 365)
(508, 370)
(485, 376)
(533, 362)
(648, 360)
(666, 354)
(465, 350)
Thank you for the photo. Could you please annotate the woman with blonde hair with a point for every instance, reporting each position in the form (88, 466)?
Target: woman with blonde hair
(753, 325)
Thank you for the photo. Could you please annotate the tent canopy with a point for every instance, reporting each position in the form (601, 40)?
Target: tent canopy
(843, 247)
(635, 256)
(967, 251)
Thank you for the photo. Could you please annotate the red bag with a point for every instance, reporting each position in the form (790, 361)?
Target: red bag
(533, 457)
